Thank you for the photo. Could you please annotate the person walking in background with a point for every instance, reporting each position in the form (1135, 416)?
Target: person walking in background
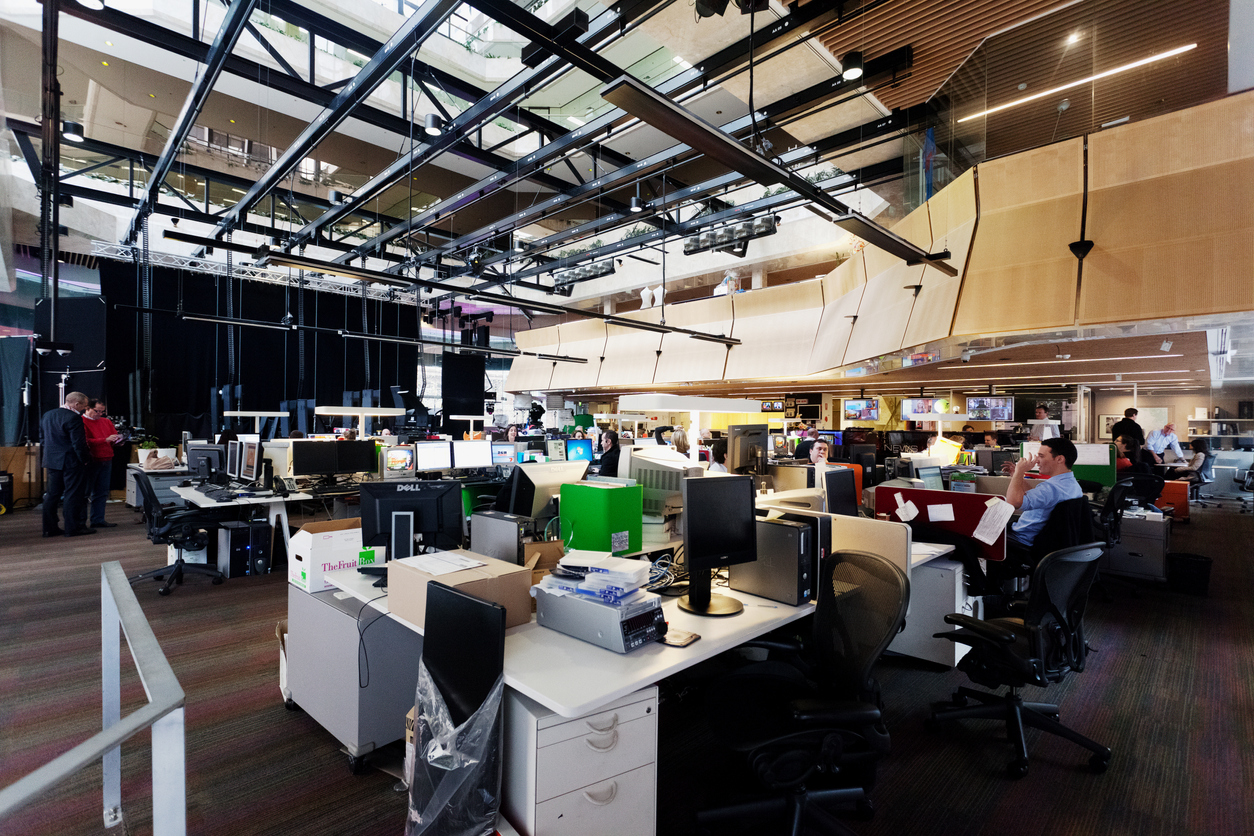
(102, 436)
(65, 456)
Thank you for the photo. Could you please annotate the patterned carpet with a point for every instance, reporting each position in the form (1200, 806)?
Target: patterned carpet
(1169, 691)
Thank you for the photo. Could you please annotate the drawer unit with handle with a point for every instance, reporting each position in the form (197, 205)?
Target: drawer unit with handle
(588, 775)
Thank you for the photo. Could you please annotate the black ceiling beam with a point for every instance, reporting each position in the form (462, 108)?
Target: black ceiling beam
(642, 101)
(409, 37)
(522, 22)
(223, 43)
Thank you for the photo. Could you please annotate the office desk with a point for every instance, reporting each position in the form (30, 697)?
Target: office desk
(276, 507)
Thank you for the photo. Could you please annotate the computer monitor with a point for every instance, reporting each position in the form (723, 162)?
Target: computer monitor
(555, 450)
(397, 462)
(393, 511)
(661, 471)
(746, 449)
(433, 455)
(503, 453)
(250, 461)
(472, 454)
(313, 458)
(998, 459)
(833, 444)
(533, 486)
(841, 487)
(280, 455)
(578, 449)
(856, 450)
(356, 457)
(931, 477)
(719, 530)
(986, 408)
(206, 459)
(232, 459)
(779, 445)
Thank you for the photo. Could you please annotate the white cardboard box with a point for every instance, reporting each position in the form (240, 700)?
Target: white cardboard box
(323, 547)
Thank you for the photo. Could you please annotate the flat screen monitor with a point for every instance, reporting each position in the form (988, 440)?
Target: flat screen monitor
(917, 406)
(833, 444)
(206, 459)
(555, 450)
(232, 459)
(990, 409)
(397, 462)
(578, 449)
(856, 450)
(250, 461)
(503, 453)
(746, 450)
(356, 457)
(999, 459)
(719, 530)
(779, 445)
(313, 458)
(841, 487)
(280, 455)
(472, 454)
(433, 455)
(862, 410)
(248, 436)
(931, 477)
(437, 514)
(533, 486)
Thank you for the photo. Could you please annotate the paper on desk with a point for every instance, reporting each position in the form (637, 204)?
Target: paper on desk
(908, 511)
(927, 548)
(940, 513)
(443, 563)
(993, 523)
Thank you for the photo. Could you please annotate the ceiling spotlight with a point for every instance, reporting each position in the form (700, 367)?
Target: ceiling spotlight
(94, 5)
(73, 131)
(1166, 346)
(433, 124)
(335, 197)
(637, 205)
(851, 66)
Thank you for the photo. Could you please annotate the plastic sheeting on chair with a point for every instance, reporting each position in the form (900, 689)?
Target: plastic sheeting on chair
(454, 772)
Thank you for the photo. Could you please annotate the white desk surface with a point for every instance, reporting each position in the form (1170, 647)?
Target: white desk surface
(254, 413)
(201, 501)
(921, 553)
(573, 677)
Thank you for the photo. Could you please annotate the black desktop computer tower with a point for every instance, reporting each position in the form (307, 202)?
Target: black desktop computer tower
(244, 548)
(784, 570)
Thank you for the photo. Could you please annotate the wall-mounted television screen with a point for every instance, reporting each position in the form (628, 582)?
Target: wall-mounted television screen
(863, 410)
(990, 409)
(919, 406)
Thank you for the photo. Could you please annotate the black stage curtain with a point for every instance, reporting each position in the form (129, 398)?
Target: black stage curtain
(190, 358)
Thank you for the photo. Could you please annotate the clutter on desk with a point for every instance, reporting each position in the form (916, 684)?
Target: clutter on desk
(322, 547)
(606, 604)
(493, 580)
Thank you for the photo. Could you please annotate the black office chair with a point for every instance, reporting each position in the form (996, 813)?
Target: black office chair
(1040, 647)
(1070, 523)
(1144, 488)
(182, 527)
(1205, 476)
(1246, 483)
(814, 714)
(1108, 523)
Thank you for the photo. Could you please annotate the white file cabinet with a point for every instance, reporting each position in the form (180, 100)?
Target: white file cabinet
(595, 774)
(937, 588)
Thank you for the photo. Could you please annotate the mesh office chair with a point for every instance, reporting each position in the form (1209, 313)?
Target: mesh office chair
(1205, 476)
(1245, 483)
(1042, 646)
(1144, 488)
(184, 528)
(815, 713)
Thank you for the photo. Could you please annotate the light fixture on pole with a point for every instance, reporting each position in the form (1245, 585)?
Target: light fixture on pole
(94, 5)
(73, 131)
(637, 205)
(851, 66)
(433, 124)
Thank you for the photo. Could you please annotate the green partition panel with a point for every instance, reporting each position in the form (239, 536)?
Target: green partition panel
(599, 516)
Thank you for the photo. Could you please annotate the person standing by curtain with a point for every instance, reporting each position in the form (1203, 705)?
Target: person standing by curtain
(65, 456)
(101, 438)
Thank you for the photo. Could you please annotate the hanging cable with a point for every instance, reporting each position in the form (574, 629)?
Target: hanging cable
(230, 313)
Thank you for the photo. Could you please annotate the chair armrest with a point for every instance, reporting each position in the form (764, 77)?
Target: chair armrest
(775, 644)
(839, 713)
(986, 630)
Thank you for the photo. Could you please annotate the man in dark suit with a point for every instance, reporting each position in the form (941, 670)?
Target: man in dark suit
(65, 455)
(1129, 427)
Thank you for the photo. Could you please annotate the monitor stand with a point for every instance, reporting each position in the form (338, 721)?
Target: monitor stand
(402, 535)
(701, 601)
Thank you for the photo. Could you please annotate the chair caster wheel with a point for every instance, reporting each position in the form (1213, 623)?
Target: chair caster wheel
(357, 764)
(218, 580)
(1017, 769)
(290, 704)
(164, 591)
(1098, 763)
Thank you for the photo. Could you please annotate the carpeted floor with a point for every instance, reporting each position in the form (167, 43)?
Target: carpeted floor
(1169, 691)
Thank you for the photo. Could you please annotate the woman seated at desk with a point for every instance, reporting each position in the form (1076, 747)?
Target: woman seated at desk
(1132, 458)
(1191, 471)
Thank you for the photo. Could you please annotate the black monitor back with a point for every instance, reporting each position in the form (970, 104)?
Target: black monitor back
(842, 491)
(463, 647)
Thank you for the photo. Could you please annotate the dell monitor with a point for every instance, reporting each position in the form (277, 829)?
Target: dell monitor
(470, 454)
(206, 459)
(578, 449)
(841, 486)
(392, 512)
(533, 485)
(719, 530)
(250, 461)
(746, 450)
(432, 456)
(313, 458)
(931, 477)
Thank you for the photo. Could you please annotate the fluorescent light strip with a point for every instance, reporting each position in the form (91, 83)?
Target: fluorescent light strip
(1052, 362)
(1159, 57)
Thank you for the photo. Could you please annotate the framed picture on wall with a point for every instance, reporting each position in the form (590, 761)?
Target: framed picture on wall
(1105, 422)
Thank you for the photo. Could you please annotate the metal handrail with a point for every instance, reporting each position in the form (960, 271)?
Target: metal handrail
(164, 713)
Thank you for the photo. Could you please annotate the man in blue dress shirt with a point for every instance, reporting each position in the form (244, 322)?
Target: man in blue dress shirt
(1160, 440)
(1054, 462)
